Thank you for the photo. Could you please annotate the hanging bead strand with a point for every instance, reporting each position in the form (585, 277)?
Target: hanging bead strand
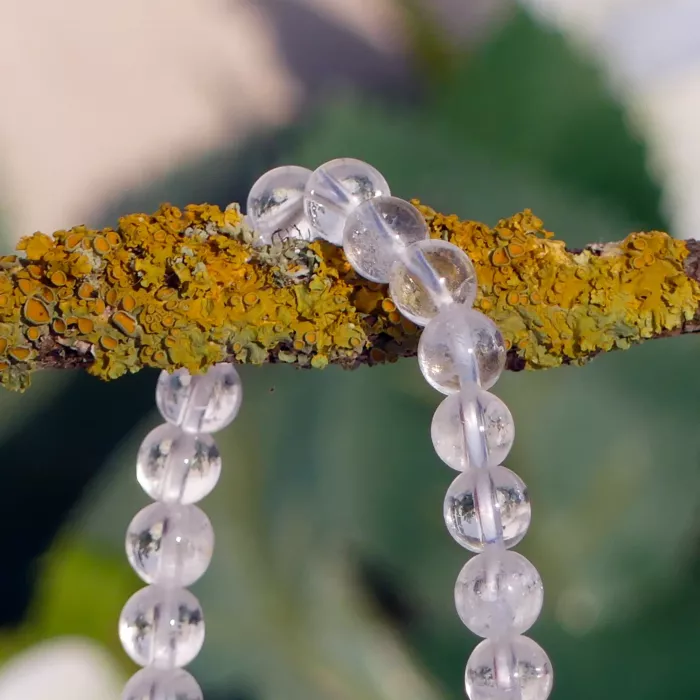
(170, 543)
(461, 353)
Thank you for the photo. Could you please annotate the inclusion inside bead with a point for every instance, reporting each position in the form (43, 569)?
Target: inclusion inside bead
(487, 506)
(377, 232)
(509, 669)
(201, 403)
(335, 189)
(177, 467)
(276, 204)
(170, 544)
(431, 274)
(493, 425)
(498, 593)
(160, 684)
(162, 627)
(460, 341)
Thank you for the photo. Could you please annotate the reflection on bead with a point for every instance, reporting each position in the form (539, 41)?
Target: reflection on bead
(170, 544)
(200, 403)
(509, 669)
(177, 467)
(378, 231)
(335, 189)
(449, 343)
(276, 204)
(498, 593)
(487, 506)
(159, 684)
(162, 627)
(433, 273)
(494, 423)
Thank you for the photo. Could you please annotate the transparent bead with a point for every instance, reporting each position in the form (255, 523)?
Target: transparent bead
(377, 233)
(460, 341)
(176, 467)
(335, 189)
(170, 544)
(509, 669)
(433, 273)
(498, 593)
(200, 403)
(494, 424)
(162, 627)
(487, 506)
(276, 204)
(160, 684)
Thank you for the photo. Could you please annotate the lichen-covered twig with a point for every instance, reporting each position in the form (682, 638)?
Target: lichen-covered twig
(187, 288)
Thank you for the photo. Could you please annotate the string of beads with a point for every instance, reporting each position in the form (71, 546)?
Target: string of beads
(169, 543)
(461, 353)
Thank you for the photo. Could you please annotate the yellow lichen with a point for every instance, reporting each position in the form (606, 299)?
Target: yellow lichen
(184, 288)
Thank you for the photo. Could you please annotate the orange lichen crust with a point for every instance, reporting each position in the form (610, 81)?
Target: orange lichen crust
(185, 288)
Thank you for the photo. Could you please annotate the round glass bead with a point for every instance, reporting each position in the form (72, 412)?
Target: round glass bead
(509, 669)
(159, 684)
(377, 233)
(460, 341)
(487, 506)
(176, 467)
(162, 627)
(433, 273)
(276, 204)
(335, 189)
(494, 425)
(170, 544)
(498, 593)
(200, 403)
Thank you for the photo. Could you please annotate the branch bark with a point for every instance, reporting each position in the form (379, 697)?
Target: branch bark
(185, 288)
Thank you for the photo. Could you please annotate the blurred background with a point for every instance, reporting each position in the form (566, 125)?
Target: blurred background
(333, 573)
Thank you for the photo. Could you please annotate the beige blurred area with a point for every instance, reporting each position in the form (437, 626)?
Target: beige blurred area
(99, 97)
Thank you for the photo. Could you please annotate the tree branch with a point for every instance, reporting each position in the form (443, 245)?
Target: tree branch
(186, 288)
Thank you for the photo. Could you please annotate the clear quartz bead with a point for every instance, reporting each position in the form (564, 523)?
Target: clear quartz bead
(377, 233)
(276, 204)
(432, 273)
(200, 403)
(456, 339)
(160, 684)
(176, 467)
(488, 506)
(509, 669)
(170, 544)
(494, 424)
(335, 189)
(162, 627)
(498, 593)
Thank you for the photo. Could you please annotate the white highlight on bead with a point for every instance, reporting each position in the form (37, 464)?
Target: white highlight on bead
(275, 207)
(335, 189)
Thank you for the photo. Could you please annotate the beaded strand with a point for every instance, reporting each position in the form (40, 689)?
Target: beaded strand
(461, 353)
(170, 543)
